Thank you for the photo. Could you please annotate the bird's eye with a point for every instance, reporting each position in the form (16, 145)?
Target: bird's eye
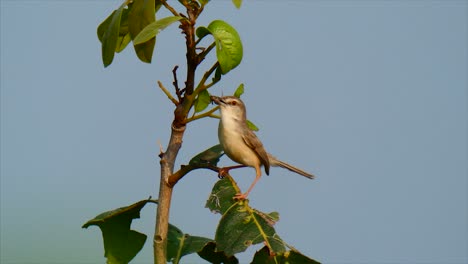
(233, 103)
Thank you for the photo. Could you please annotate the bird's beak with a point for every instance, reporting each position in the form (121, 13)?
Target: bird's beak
(217, 100)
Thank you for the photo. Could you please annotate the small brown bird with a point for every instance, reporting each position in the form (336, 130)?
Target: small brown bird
(242, 145)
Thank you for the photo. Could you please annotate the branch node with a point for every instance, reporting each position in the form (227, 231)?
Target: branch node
(161, 150)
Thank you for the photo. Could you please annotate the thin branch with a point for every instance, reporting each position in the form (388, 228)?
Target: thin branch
(207, 86)
(185, 169)
(170, 8)
(215, 116)
(168, 94)
(209, 114)
(203, 54)
(176, 84)
(201, 85)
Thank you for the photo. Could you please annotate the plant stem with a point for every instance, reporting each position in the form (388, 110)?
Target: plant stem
(209, 113)
(165, 194)
(178, 128)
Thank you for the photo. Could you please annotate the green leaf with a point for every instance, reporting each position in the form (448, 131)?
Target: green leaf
(110, 36)
(124, 35)
(122, 42)
(208, 157)
(154, 28)
(239, 91)
(101, 30)
(264, 256)
(242, 226)
(210, 254)
(229, 49)
(180, 244)
(141, 15)
(217, 75)
(123, 38)
(121, 244)
(202, 101)
(252, 126)
(202, 32)
(203, 2)
(220, 199)
(237, 3)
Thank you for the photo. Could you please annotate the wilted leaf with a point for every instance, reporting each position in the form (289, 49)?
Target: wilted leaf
(180, 244)
(141, 15)
(210, 156)
(121, 244)
(210, 254)
(154, 28)
(202, 101)
(239, 91)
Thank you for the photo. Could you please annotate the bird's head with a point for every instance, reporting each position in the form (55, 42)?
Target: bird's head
(231, 107)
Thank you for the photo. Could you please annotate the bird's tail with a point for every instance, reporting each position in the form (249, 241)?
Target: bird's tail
(278, 163)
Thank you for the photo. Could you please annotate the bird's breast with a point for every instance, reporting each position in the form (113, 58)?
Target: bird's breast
(230, 137)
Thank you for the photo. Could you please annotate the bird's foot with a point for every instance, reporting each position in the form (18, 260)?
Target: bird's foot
(223, 172)
(240, 196)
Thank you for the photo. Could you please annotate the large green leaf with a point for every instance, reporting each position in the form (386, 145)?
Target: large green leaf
(151, 30)
(264, 256)
(208, 157)
(122, 42)
(242, 226)
(229, 49)
(180, 244)
(121, 244)
(220, 199)
(124, 34)
(141, 15)
(210, 254)
(110, 28)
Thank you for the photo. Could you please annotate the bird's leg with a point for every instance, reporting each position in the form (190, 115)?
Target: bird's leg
(222, 172)
(243, 196)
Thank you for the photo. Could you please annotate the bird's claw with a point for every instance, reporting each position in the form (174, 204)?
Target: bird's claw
(223, 172)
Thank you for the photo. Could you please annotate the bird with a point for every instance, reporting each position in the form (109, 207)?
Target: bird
(242, 145)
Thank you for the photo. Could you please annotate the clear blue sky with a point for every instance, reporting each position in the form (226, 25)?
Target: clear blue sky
(371, 96)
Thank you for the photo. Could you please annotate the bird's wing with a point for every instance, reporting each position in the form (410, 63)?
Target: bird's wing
(256, 145)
